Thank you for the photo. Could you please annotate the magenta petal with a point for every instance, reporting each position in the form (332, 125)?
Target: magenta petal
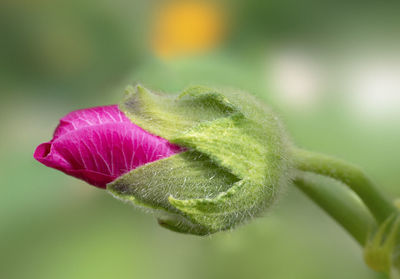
(100, 144)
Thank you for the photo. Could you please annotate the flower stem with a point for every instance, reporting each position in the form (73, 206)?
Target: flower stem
(351, 175)
(339, 202)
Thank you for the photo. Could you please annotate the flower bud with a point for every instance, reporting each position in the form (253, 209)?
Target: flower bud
(233, 167)
(382, 250)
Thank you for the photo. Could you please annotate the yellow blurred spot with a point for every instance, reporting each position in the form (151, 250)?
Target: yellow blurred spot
(187, 27)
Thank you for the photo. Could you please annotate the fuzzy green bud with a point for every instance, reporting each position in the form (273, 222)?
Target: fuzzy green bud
(234, 166)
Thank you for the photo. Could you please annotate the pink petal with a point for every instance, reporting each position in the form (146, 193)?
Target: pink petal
(100, 144)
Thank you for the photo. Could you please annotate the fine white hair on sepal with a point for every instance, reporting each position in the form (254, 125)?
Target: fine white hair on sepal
(234, 167)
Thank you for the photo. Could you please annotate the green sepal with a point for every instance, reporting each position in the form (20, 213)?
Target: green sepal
(177, 223)
(241, 202)
(235, 166)
(167, 115)
(186, 175)
(238, 144)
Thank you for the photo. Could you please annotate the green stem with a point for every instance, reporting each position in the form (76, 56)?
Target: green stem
(339, 202)
(351, 175)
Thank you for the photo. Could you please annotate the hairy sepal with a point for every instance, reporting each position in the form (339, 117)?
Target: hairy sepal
(235, 166)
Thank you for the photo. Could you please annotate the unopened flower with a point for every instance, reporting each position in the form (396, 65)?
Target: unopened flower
(203, 161)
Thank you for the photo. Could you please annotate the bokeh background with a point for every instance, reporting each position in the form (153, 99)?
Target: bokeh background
(330, 68)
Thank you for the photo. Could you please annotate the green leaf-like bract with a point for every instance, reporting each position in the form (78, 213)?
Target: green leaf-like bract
(234, 168)
(381, 252)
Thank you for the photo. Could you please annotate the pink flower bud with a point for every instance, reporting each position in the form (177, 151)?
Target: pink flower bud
(100, 144)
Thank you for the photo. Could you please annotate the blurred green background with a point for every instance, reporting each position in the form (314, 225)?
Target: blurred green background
(330, 68)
